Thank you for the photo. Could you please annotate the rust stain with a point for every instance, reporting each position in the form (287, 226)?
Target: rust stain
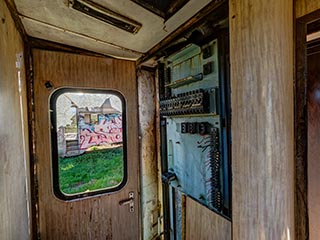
(147, 119)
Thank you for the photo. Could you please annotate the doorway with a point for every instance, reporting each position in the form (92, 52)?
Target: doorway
(307, 127)
(313, 108)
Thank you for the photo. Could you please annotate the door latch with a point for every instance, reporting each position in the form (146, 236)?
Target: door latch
(129, 201)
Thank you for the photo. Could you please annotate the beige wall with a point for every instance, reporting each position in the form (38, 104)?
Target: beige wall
(261, 54)
(304, 7)
(14, 221)
(148, 170)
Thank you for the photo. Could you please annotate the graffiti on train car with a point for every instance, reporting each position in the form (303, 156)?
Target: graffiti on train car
(106, 131)
(85, 122)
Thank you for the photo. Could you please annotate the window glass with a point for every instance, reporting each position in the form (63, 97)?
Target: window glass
(89, 148)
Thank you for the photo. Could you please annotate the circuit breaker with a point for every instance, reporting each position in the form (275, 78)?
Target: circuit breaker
(193, 113)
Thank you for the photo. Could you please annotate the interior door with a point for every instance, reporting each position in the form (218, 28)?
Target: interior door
(110, 215)
(313, 104)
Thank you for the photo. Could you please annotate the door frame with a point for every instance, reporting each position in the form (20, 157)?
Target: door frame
(40, 44)
(301, 127)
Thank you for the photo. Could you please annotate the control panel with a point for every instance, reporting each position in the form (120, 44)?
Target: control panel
(192, 109)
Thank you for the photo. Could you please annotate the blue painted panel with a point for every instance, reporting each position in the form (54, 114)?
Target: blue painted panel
(193, 164)
(187, 160)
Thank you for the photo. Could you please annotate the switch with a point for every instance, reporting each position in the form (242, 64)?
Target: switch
(203, 126)
(184, 127)
(206, 52)
(192, 127)
(208, 68)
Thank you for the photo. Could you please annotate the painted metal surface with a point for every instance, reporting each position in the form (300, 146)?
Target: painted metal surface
(194, 138)
(107, 131)
(190, 150)
(187, 160)
(55, 21)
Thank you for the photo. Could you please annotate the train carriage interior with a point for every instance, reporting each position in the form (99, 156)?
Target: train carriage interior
(159, 119)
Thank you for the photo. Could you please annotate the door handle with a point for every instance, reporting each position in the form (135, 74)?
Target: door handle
(129, 201)
(126, 202)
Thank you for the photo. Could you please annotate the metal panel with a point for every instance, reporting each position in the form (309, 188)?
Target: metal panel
(194, 114)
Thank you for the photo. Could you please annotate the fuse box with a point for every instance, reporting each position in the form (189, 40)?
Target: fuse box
(192, 107)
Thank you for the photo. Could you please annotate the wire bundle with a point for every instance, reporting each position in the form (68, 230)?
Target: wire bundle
(213, 165)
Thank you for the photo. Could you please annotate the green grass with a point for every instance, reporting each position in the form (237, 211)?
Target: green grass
(91, 171)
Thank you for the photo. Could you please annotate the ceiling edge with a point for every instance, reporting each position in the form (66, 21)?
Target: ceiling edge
(184, 27)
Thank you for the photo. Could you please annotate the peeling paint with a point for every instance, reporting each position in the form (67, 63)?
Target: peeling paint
(149, 171)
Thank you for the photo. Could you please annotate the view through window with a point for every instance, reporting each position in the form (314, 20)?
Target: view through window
(90, 138)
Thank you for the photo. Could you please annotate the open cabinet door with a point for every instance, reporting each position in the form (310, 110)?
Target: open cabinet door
(86, 213)
(313, 105)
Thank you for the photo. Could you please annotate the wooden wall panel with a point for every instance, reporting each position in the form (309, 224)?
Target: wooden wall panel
(202, 223)
(98, 217)
(261, 54)
(14, 159)
(304, 7)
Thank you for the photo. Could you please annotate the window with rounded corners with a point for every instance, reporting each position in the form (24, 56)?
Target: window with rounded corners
(88, 140)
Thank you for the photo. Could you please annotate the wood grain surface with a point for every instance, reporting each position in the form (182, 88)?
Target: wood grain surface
(304, 7)
(203, 224)
(98, 217)
(261, 54)
(14, 157)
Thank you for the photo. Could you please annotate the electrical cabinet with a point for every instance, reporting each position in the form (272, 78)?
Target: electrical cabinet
(193, 93)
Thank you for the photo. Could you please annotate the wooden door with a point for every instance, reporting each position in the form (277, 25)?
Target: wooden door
(94, 217)
(314, 141)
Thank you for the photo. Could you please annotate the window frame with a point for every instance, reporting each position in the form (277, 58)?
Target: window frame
(54, 144)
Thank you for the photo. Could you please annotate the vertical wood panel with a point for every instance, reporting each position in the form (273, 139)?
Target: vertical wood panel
(98, 217)
(203, 224)
(261, 53)
(304, 7)
(14, 159)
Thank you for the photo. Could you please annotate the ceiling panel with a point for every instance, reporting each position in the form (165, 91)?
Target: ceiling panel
(43, 31)
(54, 20)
